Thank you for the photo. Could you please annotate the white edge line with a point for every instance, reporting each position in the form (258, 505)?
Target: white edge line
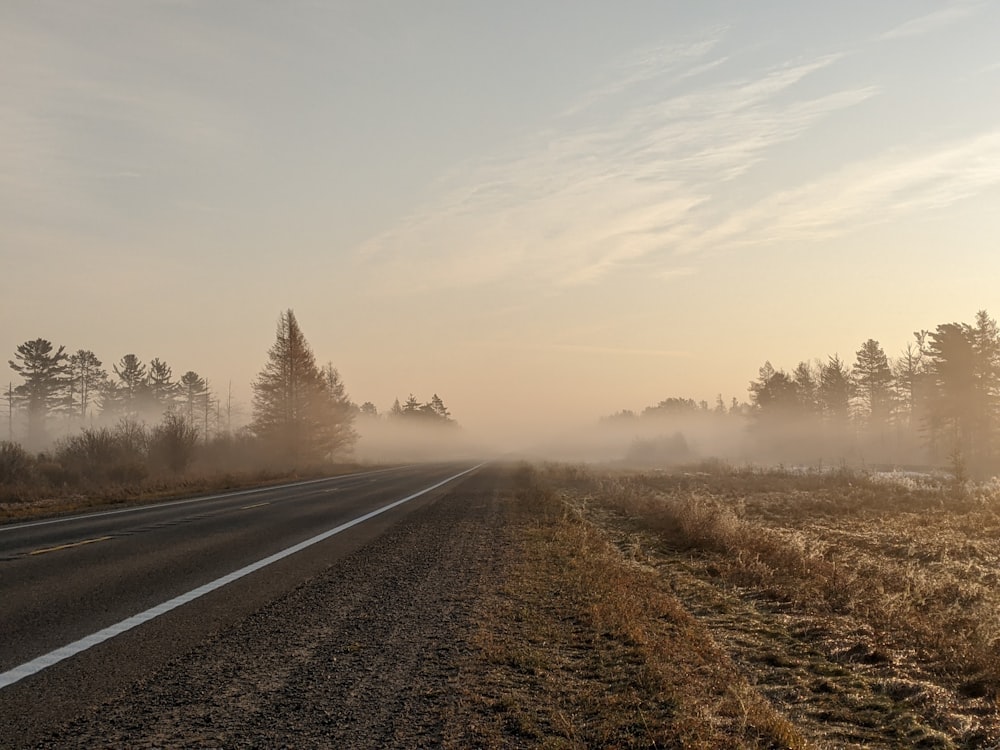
(198, 499)
(54, 657)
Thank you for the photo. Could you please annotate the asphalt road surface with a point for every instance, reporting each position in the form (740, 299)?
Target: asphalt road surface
(194, 567)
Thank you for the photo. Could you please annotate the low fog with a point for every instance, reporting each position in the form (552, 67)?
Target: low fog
(684, 440)
(72, 426)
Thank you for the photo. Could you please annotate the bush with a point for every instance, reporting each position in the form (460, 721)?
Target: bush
(104, 455)
(172, 444)
(15, 463)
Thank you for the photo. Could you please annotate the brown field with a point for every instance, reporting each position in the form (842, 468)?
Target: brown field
(741, 608)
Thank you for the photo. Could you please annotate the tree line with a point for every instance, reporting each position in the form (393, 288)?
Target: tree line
(75, 388)
(138, 420)
(413, 411)
(940, 397)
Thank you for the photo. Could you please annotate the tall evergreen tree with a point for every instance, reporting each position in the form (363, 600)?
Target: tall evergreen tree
(985, 336)
(132, 386)
(835, 391)
(193, 393)
(396, 410)
(45, 381)
(964, 397)
(871, 379)
(411, 407)
(162, 388)
(111, 399)
(292, 400)
(337, 434)
(909, 374)
(438, 407)
(807, 387)
(86, 376)
(774, 394)
(951, 413)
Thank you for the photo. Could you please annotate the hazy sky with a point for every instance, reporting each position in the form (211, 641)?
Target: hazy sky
(534, 209)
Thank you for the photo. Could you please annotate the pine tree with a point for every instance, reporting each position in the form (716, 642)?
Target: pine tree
(337, 435)
(807, 387)
(193, 393)
(985, 336)
(872, 383)
(439, 409)
(951, 411)
(411, 407)
(86, 376)
(162, 388)
(964, 369)
(395, 410)
(111, 399)
(774, 394)
(44, 387)
(909, 373)
(132, 387)
(296, 409)
(835, 391)
(720, 405)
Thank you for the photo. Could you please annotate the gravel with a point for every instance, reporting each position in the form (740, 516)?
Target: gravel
(367, 654)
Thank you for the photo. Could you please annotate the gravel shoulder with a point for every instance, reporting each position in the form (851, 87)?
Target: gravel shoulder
(367, 654)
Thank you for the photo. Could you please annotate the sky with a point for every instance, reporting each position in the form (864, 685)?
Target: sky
(544, 212)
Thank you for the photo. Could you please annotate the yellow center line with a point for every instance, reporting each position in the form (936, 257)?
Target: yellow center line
(67, 546)
(256, 505)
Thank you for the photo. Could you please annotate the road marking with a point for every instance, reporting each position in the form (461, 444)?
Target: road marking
(255, 505)
(72, 649)
(200, 498)
(71, 544)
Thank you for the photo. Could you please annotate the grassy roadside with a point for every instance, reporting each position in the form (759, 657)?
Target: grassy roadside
(717, 610)
(154, 490)
(585, 646)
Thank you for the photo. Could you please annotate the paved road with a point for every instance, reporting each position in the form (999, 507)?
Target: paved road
(66, 579)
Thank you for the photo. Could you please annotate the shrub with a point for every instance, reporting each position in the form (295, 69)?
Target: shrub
(15, 463)
(172, 444)
(101, 455)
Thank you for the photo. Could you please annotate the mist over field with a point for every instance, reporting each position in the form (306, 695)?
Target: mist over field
(533, 220)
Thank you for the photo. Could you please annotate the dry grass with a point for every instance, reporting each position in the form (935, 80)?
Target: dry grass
(586, 647)
(21, 503)
(895, 589)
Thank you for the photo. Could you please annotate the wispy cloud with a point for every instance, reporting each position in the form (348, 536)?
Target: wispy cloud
(601, 193)
(933, 21)
(669, 59)
(869, 192)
